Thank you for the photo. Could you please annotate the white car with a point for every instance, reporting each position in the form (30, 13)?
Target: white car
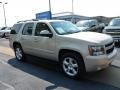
(113, 29)
(5, 32)
(76, 52)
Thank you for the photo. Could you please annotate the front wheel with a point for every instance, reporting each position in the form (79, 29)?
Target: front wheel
(72, 65)
(20, 56)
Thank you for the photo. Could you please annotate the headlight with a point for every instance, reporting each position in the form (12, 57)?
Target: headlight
(96, 50)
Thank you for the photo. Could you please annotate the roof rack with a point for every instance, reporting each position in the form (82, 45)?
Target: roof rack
(27, 20)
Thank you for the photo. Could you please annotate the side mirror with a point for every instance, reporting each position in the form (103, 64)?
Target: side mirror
(46, 33)
(13, 32)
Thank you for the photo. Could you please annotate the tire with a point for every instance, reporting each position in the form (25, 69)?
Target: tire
(117, 44)
(19, 54)
(3, 36)
(72, 65)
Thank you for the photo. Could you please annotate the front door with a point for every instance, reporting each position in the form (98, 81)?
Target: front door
(43, 45)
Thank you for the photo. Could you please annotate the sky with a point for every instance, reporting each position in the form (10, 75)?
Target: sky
(17, 10)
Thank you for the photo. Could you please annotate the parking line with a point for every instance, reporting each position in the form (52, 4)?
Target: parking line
(5, 86)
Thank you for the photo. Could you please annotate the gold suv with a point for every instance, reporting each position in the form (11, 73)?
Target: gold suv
(61, 41)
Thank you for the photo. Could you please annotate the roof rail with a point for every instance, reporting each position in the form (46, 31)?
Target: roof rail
(27, 20)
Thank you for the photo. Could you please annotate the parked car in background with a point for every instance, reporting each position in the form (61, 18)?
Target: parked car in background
(113, 29)
(58, 40)
(90, 25)
(5, 32)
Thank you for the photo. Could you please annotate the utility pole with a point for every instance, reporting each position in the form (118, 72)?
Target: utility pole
(50, 9)
(72, 7)
(49, 5)
(4, 13)
(72, 11)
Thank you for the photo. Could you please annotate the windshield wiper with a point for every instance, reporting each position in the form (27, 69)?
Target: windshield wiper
(70, 32)
(73, 32)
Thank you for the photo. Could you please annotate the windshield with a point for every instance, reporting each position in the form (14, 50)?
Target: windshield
(92, 23)
(115, 22)
(87, 23)
(64, 27)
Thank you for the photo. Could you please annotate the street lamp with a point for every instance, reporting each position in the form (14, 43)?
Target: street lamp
(72, 7)
(50, 5)
(4, 12)
(50, 9)
(72, 11)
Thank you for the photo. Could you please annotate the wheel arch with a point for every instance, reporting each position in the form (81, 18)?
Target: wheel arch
(62, 51)
(16, 43)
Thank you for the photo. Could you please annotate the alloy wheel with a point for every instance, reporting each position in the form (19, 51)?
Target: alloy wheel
(70, 66)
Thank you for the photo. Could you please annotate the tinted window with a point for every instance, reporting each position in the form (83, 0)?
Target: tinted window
(16, 27)
(115, 22)
(87, 23)
(93, 23)
(40, 27)
(27, 30)
(3, 28)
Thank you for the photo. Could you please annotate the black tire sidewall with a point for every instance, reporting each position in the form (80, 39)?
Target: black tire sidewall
(23, 55)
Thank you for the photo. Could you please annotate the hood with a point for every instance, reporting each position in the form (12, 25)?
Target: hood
(92, 37)
(83, 28)
(112, 27)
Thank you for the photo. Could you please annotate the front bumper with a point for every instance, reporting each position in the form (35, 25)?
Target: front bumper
(95, 63)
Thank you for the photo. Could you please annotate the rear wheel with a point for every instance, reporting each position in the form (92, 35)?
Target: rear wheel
(20, 56)
(72, 65)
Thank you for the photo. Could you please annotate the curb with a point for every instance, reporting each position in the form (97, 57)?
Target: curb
(6, 50)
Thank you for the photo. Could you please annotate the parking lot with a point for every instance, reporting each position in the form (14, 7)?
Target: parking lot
(59, 45)
(47, 76)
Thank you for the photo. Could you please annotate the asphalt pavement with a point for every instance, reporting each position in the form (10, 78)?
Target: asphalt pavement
(43, 76)
(38, 75)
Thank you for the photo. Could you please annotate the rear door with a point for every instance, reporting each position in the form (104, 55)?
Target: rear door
(26, 38)
(13, 37)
